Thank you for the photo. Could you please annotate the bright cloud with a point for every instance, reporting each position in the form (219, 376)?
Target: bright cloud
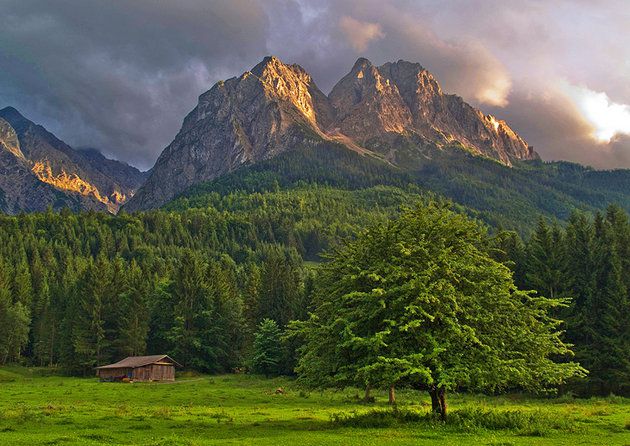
(360, 34)
(609, 119)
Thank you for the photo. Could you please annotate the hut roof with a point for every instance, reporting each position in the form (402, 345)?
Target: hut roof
(132, 362)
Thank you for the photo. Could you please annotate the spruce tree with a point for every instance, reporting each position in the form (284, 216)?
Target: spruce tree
(267, 352)
(604, 347)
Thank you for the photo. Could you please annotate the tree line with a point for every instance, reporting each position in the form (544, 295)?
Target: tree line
(587, 262)
(217, 286)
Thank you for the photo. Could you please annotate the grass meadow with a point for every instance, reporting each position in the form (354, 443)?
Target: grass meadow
(36, 409)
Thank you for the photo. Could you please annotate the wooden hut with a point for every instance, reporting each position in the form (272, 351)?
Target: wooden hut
(140, 368)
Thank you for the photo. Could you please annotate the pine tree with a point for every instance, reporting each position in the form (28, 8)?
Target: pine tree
(192, 315)
(227, 334)
(543, 261)
(14, 320)
(280, 288)
(604, 346)
(267, 352)
(88, 334)
(133, 312)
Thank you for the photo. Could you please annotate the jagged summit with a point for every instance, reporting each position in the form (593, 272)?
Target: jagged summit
(377, 105)
(383, 110)
(11, 113)
(38, 170)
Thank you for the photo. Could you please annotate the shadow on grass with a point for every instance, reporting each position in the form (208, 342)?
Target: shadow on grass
(525, 423)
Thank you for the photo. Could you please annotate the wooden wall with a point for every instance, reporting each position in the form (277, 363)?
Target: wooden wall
(112, 373)
(154, 372)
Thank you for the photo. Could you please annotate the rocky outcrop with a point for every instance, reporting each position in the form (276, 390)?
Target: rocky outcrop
(241, 120)
(39, 171)
(276, 107)
(374, 105)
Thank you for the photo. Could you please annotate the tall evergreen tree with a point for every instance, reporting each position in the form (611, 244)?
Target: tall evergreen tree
(89, 337)
(604, 346)
(280, 288)
(543, 260)
(133, 312)
(267, 352)
(14, 320)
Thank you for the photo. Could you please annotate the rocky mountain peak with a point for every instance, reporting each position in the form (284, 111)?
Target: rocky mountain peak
(38, 170)
(9, 140)
(276, 107)
(368, 104)
(377, 105)
(11, 114)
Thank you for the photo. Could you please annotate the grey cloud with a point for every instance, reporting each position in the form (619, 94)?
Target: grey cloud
(557, 131)
(462, 66)
(122, 75)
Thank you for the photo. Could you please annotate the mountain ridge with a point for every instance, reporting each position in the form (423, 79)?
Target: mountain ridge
(277, 107)
(40, 171)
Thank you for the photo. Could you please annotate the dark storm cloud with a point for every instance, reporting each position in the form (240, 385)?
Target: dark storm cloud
(122, 75)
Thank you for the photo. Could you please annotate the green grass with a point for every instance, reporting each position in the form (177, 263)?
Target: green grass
(36, 409)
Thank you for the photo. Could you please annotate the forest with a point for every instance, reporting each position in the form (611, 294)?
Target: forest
(220, 280)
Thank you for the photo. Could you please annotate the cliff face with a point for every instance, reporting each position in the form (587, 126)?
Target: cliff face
(40, 170)
(276, 107)
(373, 105)
(245, 119)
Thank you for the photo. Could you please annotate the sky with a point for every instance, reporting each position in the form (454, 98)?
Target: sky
(121, 75)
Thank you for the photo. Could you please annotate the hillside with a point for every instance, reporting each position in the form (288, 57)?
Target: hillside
(39, 170)
(509, 197)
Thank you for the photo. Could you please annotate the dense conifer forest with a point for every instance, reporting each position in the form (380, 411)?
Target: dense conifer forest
(226, 267)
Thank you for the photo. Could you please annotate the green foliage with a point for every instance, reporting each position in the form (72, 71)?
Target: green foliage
(587, 263)
(87, 289)
(509, 197)
(267, 351)
(470, 419)
(90, 288)
(14, 320)
(419, 301)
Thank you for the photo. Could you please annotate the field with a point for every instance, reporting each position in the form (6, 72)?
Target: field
(241, 409)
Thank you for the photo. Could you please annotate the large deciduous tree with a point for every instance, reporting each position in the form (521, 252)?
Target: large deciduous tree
(419, 301)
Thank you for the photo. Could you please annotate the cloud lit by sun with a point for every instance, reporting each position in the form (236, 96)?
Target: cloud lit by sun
(608, 118)
(360, 34)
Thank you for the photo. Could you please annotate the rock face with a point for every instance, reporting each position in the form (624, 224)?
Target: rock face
(374, 105)
(39, 170)
(276, 107)
(244, 119)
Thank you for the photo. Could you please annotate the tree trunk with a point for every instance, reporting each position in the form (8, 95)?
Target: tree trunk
(366, 397)
(438, 401)
(435, 401)
(392, 395)
(442, 398)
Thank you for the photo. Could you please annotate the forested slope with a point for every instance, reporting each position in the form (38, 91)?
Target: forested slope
(509, 197)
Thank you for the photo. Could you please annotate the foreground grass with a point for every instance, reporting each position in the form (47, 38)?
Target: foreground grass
(241, 409)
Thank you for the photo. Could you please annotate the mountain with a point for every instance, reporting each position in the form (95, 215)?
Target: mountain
(126, 176)
(39, 170)
(501, 196)
(379, 106)
(396, 113)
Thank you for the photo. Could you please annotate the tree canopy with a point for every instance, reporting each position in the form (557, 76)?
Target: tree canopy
(419, 301)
